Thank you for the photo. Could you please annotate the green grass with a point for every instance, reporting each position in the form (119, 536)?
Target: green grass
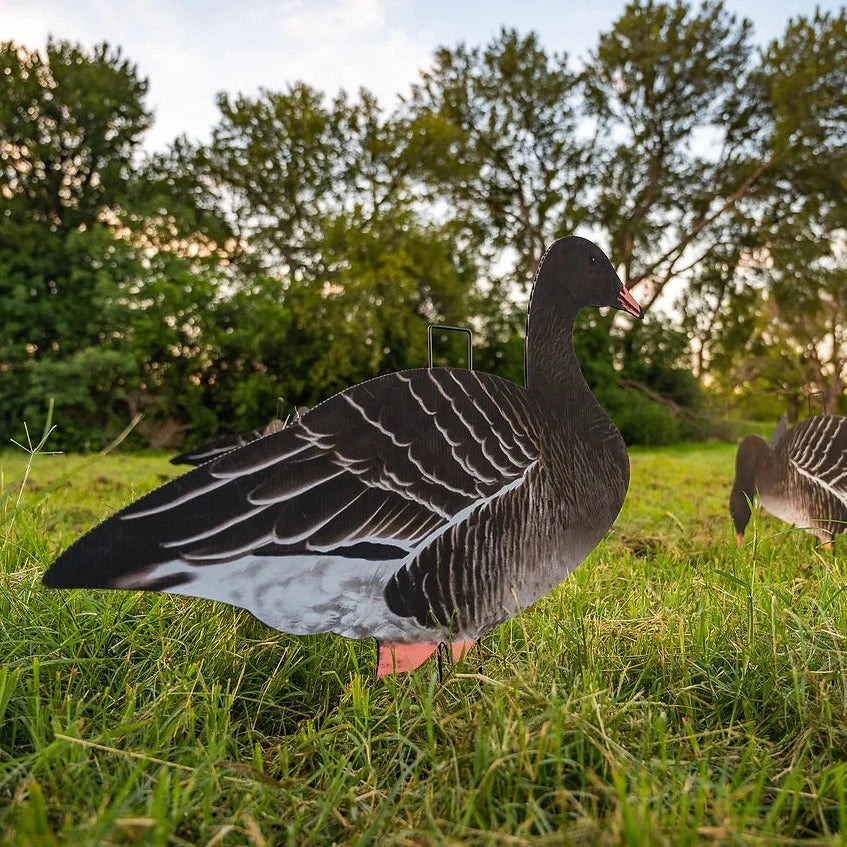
(675, 690)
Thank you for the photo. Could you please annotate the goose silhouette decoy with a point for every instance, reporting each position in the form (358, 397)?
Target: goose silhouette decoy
(800, 477)
(418, 508)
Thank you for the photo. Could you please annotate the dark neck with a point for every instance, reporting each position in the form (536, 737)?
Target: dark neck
(754, 471)
(764, 477)
(553, 374)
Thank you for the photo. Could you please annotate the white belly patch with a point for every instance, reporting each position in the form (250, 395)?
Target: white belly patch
(302, 595)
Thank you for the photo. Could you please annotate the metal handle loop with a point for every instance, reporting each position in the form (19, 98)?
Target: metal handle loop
(815, 394)
(464, 329)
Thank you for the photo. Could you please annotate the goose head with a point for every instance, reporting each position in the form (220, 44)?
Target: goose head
(752, 453)
(574, 274)
(585, 277)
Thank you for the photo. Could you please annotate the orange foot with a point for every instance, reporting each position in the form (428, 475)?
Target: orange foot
(394, 657)
(461, 649)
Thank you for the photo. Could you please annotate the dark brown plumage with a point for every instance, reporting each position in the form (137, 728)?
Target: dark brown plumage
(801, 477)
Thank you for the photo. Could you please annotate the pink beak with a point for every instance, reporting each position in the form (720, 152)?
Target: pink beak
(627, 303)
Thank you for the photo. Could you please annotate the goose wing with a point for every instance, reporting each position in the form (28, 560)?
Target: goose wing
(818, 450)
(216, 447)
(224, 444)
(367, 477)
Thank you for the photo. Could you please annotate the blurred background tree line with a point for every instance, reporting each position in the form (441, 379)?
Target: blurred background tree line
(307, 244)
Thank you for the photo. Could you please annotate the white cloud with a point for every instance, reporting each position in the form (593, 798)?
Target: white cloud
(190, 51)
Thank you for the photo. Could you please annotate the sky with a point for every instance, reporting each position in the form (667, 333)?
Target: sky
(192, 49)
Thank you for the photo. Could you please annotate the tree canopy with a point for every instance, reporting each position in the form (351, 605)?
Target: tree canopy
(307, 244)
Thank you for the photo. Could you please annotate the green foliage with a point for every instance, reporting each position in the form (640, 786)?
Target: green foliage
(307, 245)
(785, 334)
(656, 356)
(641, 420)
(805, 74)
(89, 389)
(664, 73)
(344, 272)
(70, 123)
(514, 168)
(645, 385)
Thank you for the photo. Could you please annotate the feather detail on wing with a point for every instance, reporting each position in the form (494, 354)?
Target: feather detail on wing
(817, 448)
(224, 444)
(370, 474)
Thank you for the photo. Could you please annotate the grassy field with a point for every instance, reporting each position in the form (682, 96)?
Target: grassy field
(675, 690)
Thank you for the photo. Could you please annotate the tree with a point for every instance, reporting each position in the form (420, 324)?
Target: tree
(105, 279)
(504, 147)
(794, 336)
(794, 282)
(305, 339)
(283, 163)
(70, 124)
(524, 161)
(662, 79)
(307, 245)
(335, 274)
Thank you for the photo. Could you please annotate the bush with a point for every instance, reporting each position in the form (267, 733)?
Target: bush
(641, 420)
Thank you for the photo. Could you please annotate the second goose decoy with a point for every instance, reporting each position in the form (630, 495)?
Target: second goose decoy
(417, 508)
(779, 431)
(800, 477)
